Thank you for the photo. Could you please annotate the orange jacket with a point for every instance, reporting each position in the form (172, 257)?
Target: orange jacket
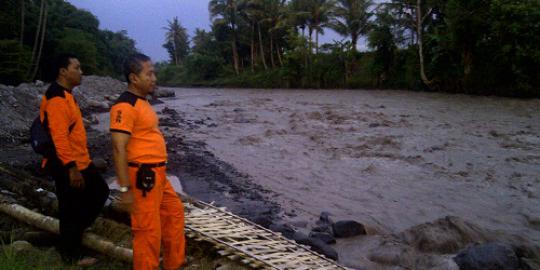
(65, 126)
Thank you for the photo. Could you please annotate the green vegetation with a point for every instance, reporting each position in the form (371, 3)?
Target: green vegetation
(200, 256)
(48, 259)
(466, 46)
(33, 33)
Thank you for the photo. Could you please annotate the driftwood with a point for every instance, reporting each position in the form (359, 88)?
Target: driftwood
(51, 224)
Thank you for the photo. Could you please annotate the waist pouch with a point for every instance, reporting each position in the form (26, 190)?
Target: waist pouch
(146, 179)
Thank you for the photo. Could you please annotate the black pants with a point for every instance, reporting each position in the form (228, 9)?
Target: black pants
(78, 208)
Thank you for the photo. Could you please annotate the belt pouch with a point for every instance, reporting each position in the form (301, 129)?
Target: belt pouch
(146, 179)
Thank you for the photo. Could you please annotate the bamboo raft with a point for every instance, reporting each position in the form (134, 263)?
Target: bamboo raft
(242, 240)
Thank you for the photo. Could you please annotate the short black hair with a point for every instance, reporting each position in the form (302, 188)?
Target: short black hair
(133, 64)
(62, 61)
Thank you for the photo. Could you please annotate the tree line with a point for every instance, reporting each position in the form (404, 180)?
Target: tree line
(34, 32)
(466, 46)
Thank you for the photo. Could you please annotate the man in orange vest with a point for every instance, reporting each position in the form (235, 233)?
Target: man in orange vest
(80, 189)
(140, 156)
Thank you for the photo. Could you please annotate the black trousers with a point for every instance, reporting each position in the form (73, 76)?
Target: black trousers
(78, 208)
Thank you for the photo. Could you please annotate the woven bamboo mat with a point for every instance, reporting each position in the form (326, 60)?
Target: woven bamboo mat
(242, 240)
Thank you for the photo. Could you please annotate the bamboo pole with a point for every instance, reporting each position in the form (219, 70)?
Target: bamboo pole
(51, 224)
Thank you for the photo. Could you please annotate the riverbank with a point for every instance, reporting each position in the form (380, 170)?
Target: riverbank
(199, 168)
(427, 176)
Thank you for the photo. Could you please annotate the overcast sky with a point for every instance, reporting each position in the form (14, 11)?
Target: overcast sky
(144, 20)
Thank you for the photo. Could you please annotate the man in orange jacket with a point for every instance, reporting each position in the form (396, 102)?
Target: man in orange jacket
(140, 156)
(80, 189)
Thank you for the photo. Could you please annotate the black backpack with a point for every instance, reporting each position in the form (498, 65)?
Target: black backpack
(40, 138)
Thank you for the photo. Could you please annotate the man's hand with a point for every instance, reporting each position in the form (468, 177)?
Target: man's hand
(126, 201)
(75, 178)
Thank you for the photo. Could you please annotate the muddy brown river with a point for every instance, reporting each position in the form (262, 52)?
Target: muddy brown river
(388, 159)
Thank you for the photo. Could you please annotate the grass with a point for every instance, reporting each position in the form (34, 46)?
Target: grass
(200, 256)
(47, 259)
(39, 257)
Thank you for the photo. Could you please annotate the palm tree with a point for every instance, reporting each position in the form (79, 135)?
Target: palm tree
(225, 12)
(253, 11)
(298, 14)
(275, 18)
(320, 14)
(176, 41)
(248, 14)
(351, 19)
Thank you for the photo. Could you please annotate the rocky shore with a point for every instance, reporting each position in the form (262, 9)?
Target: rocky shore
(445, 243)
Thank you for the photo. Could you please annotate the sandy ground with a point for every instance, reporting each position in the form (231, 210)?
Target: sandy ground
(389, 159)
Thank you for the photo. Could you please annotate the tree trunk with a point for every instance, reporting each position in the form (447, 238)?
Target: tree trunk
(236, 61)
(346, 67)
(50, 224)
(262, 47)
(43, 31)
(252, 47)
(36, 39)
(316, 42)
(235, 57)
(278, 50)
(310, 45)
(419, 30)
(22, 22)
(354, 41)
(466, 55)
(175, 52)
(272, 52)
(235, 52)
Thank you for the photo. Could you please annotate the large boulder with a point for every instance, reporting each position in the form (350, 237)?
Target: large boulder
(348, 228)
(446, 235)
(392, 252)
(489, 256)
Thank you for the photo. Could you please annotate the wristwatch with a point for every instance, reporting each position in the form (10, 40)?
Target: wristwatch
(124, 189)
